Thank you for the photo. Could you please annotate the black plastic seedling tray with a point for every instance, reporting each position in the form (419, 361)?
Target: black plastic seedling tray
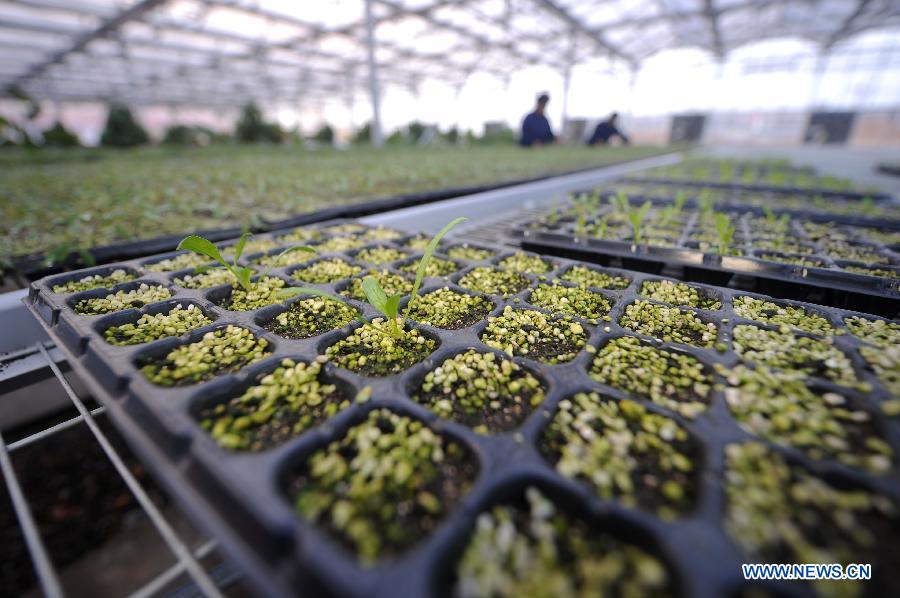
(241, 497)
(828, 281)
(728, 202)
(810, 191)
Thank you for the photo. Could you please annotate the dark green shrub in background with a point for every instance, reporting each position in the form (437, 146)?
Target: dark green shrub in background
(191, 136)
(362, 134)
(452, 135)
(179, 135)
(122, 130)
(252, 128)
(415, 131)
(324, 135)
(60, 136)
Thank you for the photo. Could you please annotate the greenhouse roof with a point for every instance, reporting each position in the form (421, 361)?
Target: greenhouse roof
(225, 52)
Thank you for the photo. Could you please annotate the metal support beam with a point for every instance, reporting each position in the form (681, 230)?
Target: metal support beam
(847, 26)
(818, 72)
(712, 16)
(107, 27)
(480, 41)
(375, 133)
(567, 77)
(595, 35)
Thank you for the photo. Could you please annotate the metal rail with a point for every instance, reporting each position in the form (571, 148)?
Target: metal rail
(187, 561)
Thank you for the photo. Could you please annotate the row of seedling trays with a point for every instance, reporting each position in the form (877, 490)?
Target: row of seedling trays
(753, 177)
(857, 261)
(870, 211)
(530, 426)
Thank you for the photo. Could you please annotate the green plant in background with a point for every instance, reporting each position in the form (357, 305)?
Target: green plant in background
(602, 224)
(748, 176)
(59, 253)
(252, 127)
(724, 231)
(636, 217)
(705, 200)
(776, 223)
(593, 201)
(553, 215)
(680, 200)
(580, 223)
(122, 130)
(726, 172)
(241, 274)
(584, 206)
(59, 136)
(620, 202)
(670, 212)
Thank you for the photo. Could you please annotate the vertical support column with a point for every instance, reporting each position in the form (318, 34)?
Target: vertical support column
(375, 133)
(567, 78)
(718, 74)
(632, 85)
(818, 72)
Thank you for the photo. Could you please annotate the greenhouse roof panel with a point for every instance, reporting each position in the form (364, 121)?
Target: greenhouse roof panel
(131, 47)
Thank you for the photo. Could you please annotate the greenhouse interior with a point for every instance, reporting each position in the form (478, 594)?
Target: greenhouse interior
(469, 298)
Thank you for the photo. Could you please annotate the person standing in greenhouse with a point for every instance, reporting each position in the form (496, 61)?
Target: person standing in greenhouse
(606, 130)
(536, 129)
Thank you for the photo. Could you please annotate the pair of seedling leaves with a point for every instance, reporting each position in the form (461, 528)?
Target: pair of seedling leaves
(375, 294)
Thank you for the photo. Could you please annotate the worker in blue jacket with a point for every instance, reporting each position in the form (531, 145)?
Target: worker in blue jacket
(536, 128)
(606, 130)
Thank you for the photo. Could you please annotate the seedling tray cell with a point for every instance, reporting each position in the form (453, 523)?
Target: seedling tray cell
(264, 453)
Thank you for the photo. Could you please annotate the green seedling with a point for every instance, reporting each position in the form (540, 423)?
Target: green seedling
(636, 217)
(375, 295)
(620, 202)
(593, 201)
(601, 227)
(241, 274)
(724, 230)
(390, 306)
(775, 222)
(377, 298)
(553, 215)
(581, 222)
(680, 200)
(705, 199)
(726, 173)
(426, 259)
(669, 213)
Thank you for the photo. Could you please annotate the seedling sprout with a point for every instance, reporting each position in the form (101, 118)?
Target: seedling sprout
(636, 217)
(241, 274)
(724, 230)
